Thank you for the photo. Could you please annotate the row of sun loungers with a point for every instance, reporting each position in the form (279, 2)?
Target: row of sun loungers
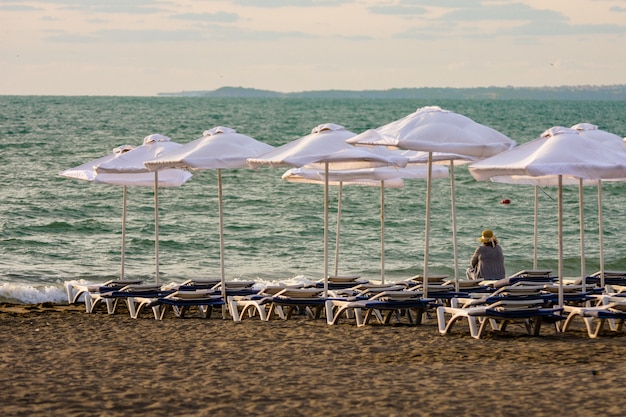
(529, 299)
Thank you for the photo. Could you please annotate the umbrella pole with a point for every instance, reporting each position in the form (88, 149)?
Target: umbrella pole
(326, 229)
(581, 213)
(156, 225)
(600, 237)
(339, 200)
(560, 239)
(454, 237)
(536, 230)
(382, 231)
(427, 223)
(221, 225)
(123, 257)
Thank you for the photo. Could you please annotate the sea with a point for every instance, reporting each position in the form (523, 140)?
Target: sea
(55, 230)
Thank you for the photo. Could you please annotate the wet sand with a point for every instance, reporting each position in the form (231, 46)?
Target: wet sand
(56, 360)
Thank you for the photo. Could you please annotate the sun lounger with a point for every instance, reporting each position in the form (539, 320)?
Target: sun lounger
(306, 300)
(611, 310)
(573, 294)
(236, 288)
(259, 303)
(514, 303)
(181, 301)
(610, 278)
(432, 279)
(498, 315)
(242, 306)
(383, 306)
(76, 291)
(367, 290)
(528, 276)
(468, 285)
(199, 284)
(616, 290)
(271, 301)
(441, 292)
(125, 294)
(337, 282)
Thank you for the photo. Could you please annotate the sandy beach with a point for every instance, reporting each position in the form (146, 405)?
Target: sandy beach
(56, 360)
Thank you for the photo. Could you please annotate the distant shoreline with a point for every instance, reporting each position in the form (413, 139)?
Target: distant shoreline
(584, 92)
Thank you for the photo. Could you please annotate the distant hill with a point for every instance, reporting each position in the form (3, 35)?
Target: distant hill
(583, 92)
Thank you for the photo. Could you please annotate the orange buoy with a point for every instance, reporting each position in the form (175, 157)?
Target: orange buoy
(505, 201)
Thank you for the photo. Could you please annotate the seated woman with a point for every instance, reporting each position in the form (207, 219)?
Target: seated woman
(488, 259)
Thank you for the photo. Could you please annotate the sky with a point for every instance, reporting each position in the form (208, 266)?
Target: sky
(145, 47)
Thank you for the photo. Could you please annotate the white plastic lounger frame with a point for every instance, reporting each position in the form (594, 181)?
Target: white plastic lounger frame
(611, 310)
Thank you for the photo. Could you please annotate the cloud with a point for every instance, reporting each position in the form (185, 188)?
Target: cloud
(208, 17)
(105, 6)
(540, 29)
(134, 36)
(290, 3)
(512, 11)
(214, 33)
(510, 19)
(397, 9)
(18, 8)
(460, 4)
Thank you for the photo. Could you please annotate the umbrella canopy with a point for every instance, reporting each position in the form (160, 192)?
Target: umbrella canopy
(86, 172)
(560, 156)
(433, 129)
(326, 148)
(383, 177)
(132, 162)
(592, 131)
(442, 134)
(559, 151)
(218, 148)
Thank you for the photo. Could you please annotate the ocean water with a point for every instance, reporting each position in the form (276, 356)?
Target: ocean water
(54, 229)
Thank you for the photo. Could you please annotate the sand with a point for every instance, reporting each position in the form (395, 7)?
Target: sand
(56, 360)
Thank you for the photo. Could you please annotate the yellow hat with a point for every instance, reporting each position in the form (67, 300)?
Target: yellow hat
(487, 237)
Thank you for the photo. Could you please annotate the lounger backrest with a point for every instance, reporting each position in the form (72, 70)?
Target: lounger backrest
(396, 295)
(515, 305)
(300, 292)
(140, 288)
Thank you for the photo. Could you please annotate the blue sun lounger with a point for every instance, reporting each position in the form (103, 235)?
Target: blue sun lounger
(530, 312)
(383, 306)
(76, 291)
(308, 301)
(125, 294)
(179, 302)
(612, 310)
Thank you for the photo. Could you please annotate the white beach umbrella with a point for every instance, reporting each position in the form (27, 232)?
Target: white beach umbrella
(612, 140)
(326, 145)
(559, 157)
(444, 135)
(87, 172)
(131, 162)
(218, 148)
